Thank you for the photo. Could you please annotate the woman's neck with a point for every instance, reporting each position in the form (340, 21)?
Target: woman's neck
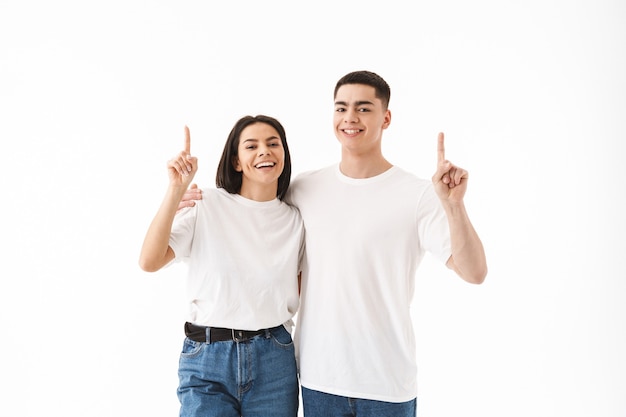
(258, 192)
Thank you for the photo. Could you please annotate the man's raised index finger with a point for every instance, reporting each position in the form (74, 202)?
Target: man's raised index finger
(187, 140)
(441, 152)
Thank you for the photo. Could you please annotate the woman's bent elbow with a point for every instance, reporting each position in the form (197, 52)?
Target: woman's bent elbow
(148, 265)
(478, 277)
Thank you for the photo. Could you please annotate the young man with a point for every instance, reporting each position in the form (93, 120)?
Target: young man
(368, 225)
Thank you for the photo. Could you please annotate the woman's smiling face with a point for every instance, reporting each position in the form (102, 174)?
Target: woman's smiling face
(261, 159)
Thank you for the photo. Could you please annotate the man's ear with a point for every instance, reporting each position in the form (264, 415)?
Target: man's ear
(387, 119)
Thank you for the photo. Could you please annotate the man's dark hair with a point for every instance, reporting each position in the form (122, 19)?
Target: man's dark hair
(383, 92)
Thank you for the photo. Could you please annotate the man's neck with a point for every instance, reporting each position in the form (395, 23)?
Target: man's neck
(360, 167)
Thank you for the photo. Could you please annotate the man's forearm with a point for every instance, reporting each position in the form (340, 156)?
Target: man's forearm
(468, 255)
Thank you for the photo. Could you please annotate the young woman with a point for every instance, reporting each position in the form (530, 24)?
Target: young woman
(243, 246)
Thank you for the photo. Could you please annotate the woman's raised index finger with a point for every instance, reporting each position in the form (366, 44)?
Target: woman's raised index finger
(187, 140)
(441, 152)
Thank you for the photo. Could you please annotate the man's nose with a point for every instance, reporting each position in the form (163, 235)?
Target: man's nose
(350, 116)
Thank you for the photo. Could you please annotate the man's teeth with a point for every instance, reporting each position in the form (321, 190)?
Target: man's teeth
(265, 164)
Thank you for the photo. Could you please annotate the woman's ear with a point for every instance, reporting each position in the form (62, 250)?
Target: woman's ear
(236, 164)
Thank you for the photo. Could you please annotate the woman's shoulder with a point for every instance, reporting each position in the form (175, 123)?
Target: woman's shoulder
(215, 194)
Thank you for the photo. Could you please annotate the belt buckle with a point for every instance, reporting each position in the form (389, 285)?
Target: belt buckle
(237, 335)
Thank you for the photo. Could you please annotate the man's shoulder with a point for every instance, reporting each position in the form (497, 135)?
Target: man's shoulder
(317, 171)
(410, 177)
(309, 183)
(313, 174)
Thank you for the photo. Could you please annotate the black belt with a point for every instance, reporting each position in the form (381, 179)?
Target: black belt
(219, 334)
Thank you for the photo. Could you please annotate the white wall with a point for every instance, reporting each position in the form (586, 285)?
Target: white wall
(531, 96)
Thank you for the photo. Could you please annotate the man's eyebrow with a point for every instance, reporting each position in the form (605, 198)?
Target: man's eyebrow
(357, 103)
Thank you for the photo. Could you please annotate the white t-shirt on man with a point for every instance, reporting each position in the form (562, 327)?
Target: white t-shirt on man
(364, 241)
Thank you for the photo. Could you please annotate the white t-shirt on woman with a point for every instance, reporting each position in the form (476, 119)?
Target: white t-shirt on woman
(244, 258)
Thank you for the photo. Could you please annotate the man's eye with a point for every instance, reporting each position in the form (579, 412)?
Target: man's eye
(340, 110)
(364, 110)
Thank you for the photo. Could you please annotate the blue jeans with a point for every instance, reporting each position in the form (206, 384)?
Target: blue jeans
(255, 378)
(321, 404)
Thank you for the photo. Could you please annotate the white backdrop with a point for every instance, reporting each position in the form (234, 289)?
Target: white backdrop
(532, 98)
